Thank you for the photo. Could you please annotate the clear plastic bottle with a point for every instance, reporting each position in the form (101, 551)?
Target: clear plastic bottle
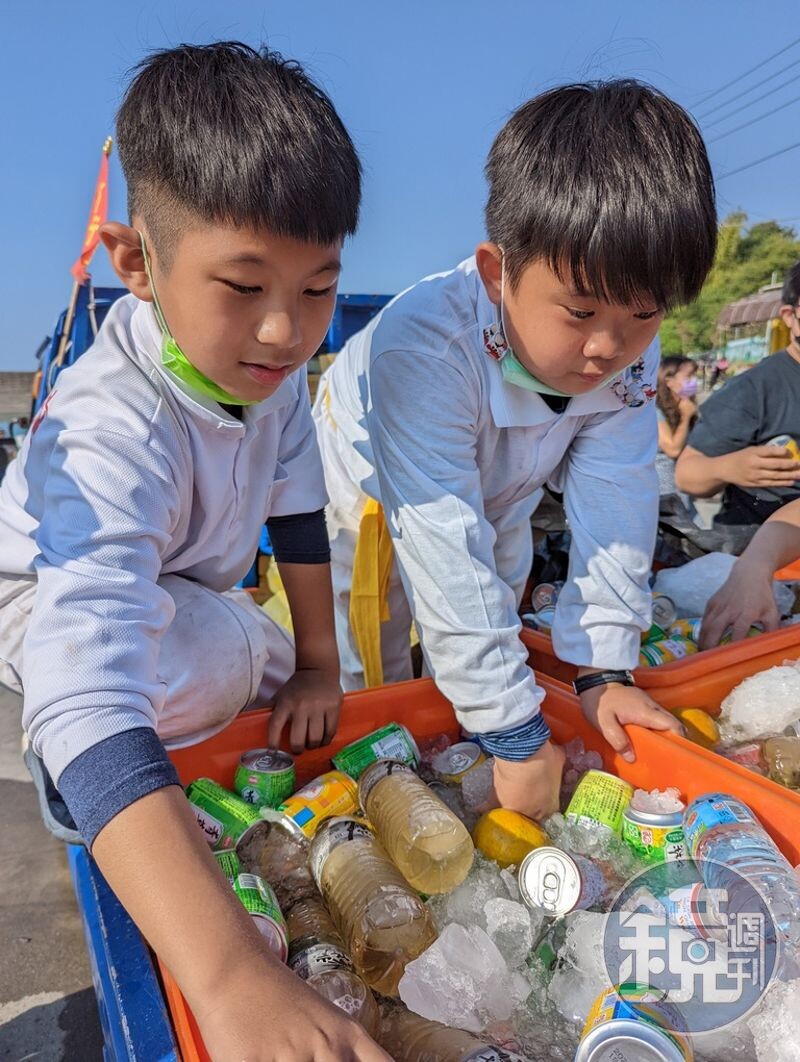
(317, 954)
(409, 1038)
(428, 843)
(384, 922)
(725, 834)
(281, 858)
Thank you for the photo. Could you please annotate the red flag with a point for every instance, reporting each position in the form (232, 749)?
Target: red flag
(97, 217)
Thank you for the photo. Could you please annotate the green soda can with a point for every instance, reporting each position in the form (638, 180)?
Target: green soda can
(655, 634)
(259, 901)
(655, 837)
(224, 818)
(229, 863)
(600, 800)
(390, 742)
(265, 777)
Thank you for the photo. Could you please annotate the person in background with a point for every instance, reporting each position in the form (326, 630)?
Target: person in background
(676, 410)
(747, 596)
(728, 447)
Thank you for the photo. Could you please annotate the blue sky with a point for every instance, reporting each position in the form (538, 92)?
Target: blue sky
(423, 86)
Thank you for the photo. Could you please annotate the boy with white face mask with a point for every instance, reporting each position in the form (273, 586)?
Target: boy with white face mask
(533, 362)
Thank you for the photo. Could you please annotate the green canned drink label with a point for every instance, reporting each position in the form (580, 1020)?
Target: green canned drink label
(228, 863)
(265, 777)
(260, 902)
(390, 742)
(654, 844)
(223, 817)
(601, 799)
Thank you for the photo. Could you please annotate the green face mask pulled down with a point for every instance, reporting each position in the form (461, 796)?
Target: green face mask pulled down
(175, 361)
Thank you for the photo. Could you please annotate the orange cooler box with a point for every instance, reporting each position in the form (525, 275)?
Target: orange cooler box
(660, 761)
(701, 680)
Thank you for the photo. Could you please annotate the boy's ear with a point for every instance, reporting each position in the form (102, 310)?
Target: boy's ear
(125, 251)
(489, 259)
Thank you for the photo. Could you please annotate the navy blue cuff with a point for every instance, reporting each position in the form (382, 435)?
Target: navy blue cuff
(112, 774)
(519, 743)
(300, 539)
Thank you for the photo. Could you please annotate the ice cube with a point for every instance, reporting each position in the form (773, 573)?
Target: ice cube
(657, 801)
(509, 925)
(578, 762)
(510, 882)
(462, 980)
(776, 1024)
(476, 787)
(582, 974)
(466, 904)
(761, 706)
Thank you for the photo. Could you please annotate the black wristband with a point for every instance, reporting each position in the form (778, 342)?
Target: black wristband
(603, 678)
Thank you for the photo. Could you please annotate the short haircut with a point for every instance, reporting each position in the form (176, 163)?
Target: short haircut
(224, 133)
(610, 184)
(791, 286)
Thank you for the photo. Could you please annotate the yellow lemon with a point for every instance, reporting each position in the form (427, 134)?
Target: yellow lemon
(507, 837)
(700, 726)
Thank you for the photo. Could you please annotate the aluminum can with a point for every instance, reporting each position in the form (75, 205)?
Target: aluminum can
(664, 610)
(224, 817)
(600, 799)
(332, 793)
(390, 742)
(627, 1024)
(553, 881)
(456, 760)
(265, 777)
(654, 837)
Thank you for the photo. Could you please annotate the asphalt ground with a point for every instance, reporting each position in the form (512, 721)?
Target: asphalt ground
(47, 1004)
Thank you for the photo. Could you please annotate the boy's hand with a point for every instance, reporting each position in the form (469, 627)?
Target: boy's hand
(311, 699)
(609, 707)
(530, 786)
(746, 598)
(250, 1020)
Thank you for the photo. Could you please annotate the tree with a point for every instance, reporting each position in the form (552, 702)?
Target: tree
(746, 260)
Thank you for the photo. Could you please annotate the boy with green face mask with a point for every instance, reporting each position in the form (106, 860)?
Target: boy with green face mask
(533, 362)
(138, 500)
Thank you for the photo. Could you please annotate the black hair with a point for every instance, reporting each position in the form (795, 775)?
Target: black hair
(225, 133)
(610, 184)
(791, 286)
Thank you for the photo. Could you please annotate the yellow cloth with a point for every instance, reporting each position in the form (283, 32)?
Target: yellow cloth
(277, 605)
(369, 605)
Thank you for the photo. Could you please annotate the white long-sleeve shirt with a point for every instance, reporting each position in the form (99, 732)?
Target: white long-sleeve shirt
(418, 416)
(124, 477)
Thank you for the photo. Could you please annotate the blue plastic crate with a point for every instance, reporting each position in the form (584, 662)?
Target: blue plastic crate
(133, 1013)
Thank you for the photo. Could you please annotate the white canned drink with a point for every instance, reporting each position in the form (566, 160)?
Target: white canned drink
(665, 611)
(553, 881)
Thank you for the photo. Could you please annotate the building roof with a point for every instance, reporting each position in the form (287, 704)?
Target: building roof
(753, 309)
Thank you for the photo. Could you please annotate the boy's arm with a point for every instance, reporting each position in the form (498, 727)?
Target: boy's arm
(610, 489)
(312, 697)
(747, 596)
(157, 862)
(425, 457)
